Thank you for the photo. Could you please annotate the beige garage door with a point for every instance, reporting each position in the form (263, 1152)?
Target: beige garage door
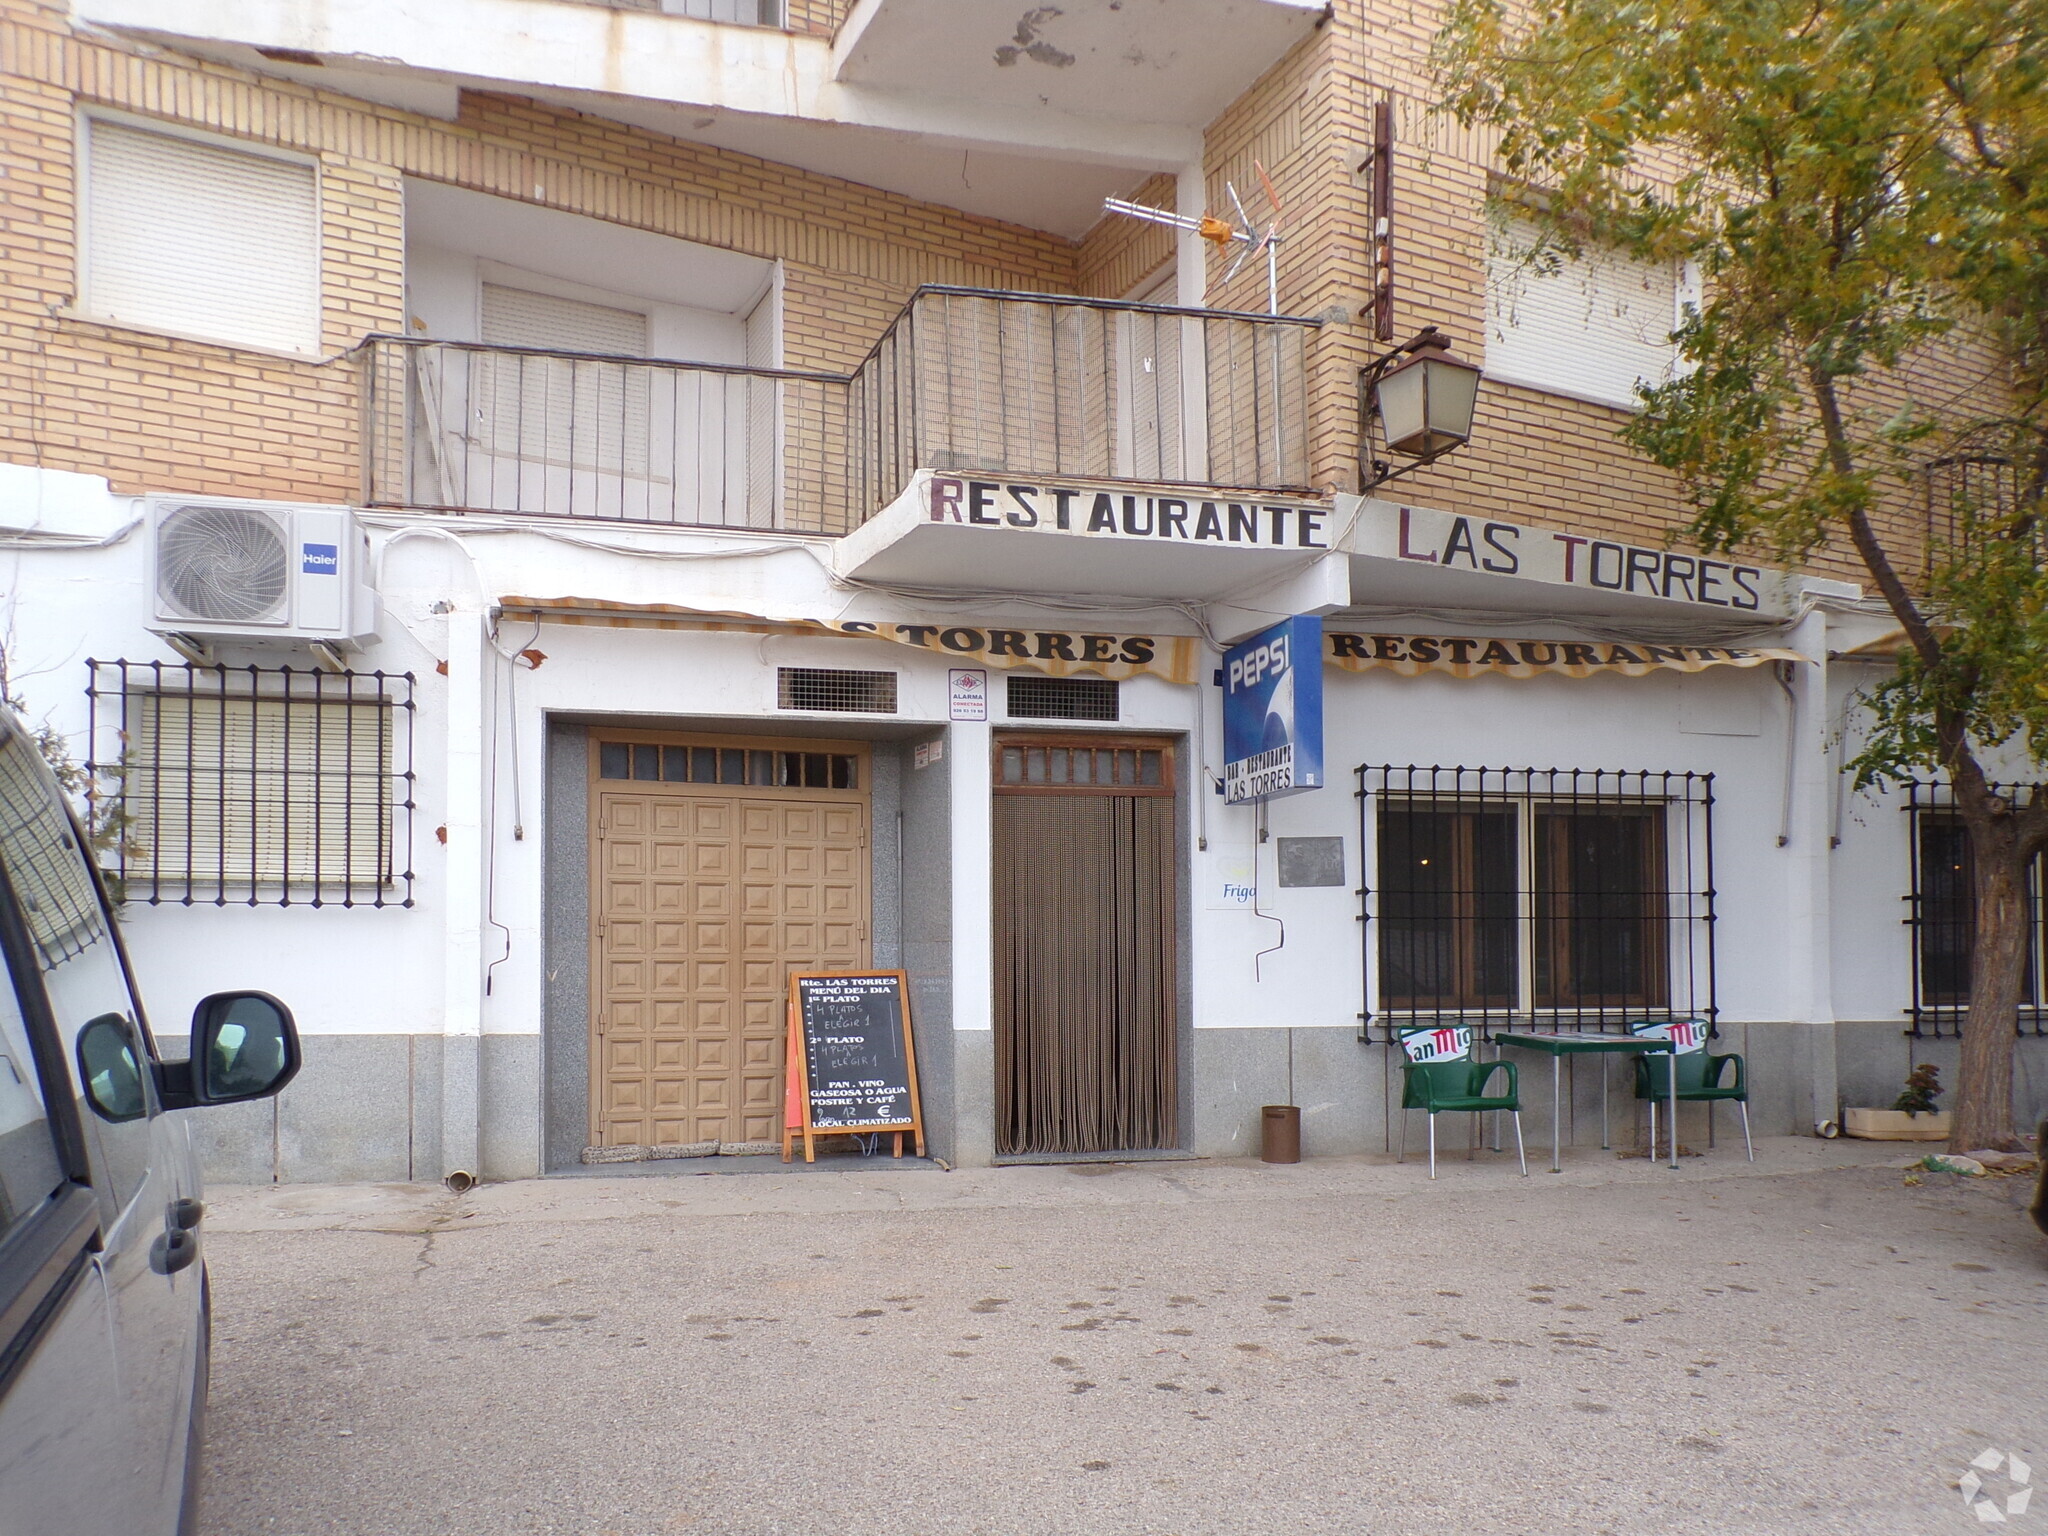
(704, 903)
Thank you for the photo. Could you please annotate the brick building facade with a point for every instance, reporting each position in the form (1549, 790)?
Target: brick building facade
(878, 199)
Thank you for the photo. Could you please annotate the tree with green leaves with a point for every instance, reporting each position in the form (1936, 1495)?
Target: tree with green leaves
(1863, 186)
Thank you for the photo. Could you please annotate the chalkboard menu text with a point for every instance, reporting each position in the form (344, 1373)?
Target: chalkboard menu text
(852, 1068)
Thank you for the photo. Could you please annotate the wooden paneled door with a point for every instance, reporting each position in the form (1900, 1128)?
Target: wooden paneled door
(719, 867)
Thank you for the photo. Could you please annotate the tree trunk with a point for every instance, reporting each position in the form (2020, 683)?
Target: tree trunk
(1998, 974)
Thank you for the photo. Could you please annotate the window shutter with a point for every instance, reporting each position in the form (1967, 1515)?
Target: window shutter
(184, 236)
(569, 414)
(1590, 329)
(513, 317)
(228, 791)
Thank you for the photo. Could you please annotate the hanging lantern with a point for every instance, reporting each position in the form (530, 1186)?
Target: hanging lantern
(1426, 400)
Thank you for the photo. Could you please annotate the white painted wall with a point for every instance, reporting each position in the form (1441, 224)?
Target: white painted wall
(68, 597)
(1374, 718)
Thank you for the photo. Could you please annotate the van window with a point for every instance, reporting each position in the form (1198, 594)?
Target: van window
(29, 1170)
(83, 976)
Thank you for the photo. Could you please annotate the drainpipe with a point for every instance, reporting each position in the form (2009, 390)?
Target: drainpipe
(1808, 827)
(462, 871)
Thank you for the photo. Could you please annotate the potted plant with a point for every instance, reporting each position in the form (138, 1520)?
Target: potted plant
(1912, 1116)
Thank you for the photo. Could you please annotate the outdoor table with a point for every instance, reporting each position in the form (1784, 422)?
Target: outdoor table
(1559, 1046)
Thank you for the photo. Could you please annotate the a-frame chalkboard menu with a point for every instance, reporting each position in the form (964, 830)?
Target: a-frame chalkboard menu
(852, 1067)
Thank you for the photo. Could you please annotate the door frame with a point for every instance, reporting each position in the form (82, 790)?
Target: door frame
(596, 789)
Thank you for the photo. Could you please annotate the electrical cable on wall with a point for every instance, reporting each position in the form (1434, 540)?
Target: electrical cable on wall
(1278, 922)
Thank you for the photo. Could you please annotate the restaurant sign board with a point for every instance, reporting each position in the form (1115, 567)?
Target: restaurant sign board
(1096, 510)
(1448, 541)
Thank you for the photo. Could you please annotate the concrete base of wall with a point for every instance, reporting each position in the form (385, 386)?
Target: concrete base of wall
(369, 1108)
(1348, 1092)
(1876, 1057)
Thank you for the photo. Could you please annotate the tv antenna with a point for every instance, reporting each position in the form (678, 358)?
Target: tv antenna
(1238, 231)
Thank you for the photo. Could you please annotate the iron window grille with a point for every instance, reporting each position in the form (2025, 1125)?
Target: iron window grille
(835, 691)
(746, 13)
(260, 786)
(1941, 908)
(1529, 897)
(1965, 491)
(1062, 698)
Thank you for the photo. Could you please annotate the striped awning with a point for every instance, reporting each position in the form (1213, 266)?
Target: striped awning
(1487, 656)
(1176, 658)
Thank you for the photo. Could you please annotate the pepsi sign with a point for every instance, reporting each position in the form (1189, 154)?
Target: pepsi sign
(1273, 712)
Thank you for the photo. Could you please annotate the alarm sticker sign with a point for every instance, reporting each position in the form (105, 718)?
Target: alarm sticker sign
(967, 698)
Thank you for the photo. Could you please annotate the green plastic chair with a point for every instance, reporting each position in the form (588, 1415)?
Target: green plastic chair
(1702, 1079)
(1459, 1086)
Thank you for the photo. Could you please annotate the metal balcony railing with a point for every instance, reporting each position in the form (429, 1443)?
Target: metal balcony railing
(1049, 385)
(457, 426)
(748, 13)
(964, 379)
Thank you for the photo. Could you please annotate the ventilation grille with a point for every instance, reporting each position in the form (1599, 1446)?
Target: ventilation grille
(825, 688)
(1062, 698)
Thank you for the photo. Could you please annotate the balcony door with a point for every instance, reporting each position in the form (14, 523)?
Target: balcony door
(553, 414)
(564, 435)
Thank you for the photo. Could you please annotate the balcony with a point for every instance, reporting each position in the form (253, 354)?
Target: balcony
(1020, 385)
(889, 93)
(462, 427)
(1036, 385)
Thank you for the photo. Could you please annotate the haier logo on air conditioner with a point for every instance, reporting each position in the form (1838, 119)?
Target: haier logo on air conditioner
(260, 570)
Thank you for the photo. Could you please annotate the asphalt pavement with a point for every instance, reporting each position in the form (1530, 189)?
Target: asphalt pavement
(1822, 1342)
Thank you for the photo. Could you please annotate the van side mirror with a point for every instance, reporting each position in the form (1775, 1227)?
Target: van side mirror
(111, 1069)
(244, 1046)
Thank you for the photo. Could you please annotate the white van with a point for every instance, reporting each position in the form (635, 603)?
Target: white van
(103, 1297)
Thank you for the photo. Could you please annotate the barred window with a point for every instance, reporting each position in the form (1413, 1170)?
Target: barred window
(1512, 896)
(1943, 917)
(267, 786)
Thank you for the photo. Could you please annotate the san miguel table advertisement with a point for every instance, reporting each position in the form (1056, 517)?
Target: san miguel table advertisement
(1273, 712)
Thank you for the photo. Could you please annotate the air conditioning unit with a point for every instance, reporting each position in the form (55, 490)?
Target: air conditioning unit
(261, 571)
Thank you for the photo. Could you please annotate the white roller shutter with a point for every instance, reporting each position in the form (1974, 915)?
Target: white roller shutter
(578, 415)
(186, 236)
(513, 317)
(241, 791)
(1590, 329)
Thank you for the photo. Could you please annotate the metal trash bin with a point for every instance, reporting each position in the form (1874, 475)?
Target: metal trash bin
(1280, 1133)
